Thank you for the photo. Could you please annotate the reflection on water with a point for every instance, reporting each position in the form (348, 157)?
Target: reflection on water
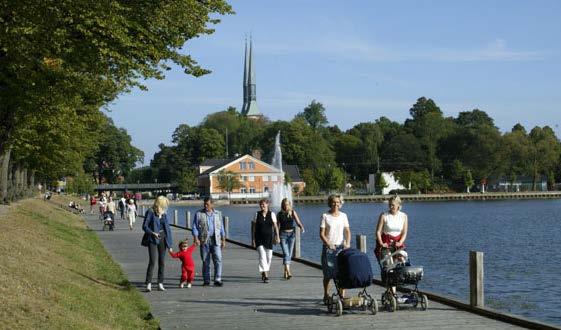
(520, 240)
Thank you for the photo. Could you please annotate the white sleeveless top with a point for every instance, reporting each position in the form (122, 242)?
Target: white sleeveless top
(393, 224)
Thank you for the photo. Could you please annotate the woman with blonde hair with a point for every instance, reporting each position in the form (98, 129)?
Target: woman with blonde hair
(391, 230)
(157, 227)
(335, 234)
(286, 217)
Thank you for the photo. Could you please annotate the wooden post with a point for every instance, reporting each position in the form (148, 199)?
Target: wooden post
(175, 217)
(361, 242)
(188, 220)
(297, 251)
(476, 288)
(226, 226)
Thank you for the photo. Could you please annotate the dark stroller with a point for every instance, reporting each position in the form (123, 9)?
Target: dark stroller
(353, 272)
(108, 221)
(397, 271)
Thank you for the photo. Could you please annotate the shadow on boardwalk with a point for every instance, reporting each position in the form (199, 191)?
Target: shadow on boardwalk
(244, 302)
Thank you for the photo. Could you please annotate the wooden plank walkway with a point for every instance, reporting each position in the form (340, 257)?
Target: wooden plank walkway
(244, 302)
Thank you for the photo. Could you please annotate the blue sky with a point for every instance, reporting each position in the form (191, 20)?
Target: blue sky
(362, 60)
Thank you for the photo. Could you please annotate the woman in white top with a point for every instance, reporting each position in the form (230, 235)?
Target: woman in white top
(335, 234)
(391, 230)
(131, 213)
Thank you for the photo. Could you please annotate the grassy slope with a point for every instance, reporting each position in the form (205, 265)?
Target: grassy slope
(55, 273)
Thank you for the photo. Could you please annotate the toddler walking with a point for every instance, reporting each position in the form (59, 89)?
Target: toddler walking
(187, 263)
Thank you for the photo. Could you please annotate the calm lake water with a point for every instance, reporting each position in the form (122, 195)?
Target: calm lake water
(521, 241)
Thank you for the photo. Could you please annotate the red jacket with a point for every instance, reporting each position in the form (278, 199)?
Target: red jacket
(388, 239)
(186, 257)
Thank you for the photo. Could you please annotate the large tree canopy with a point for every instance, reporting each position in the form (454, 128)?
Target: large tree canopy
(61, 61)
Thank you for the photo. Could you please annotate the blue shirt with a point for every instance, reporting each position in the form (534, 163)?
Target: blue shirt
(210, 220)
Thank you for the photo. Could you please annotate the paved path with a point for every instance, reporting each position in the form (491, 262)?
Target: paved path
(244, 302)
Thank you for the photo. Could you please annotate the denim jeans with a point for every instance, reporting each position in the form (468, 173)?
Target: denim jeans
(287, 246)
(209, 250)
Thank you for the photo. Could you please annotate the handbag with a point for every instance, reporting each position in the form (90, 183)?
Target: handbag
(145, 240)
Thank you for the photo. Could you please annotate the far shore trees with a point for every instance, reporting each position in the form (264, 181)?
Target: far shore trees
(428, 152)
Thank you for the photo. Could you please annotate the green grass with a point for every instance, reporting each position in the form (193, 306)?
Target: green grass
(54, 273)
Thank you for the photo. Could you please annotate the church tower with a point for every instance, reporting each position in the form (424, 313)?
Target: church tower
(249, 108)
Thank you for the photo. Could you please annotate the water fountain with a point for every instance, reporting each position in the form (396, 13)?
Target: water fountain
(279, 190)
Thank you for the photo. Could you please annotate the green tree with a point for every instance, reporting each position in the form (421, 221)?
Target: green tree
(187, 181)
(300, 144)
(115, 157)
(143, 174)
(312, 186)
(369, 152)
(103, 48)
(330, 178)
(228, 181)
(403, 152)
(314, 115)
(429, 126)
(468, 180)
(545, 151)
(515, 152)
(81, 183)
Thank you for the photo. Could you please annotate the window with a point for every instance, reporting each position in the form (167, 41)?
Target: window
(251, 165)
(265, 178)
(244, 178)
(243, 190)
(243, 165)
(252, 190)
(273, 178)
(251, 178)
(266, 189)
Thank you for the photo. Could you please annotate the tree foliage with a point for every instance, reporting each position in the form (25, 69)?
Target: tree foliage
(62, 61)
(314, 115)
(228, 181)
(428, 151)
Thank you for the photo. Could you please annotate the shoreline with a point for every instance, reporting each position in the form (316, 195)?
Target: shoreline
(488, 196)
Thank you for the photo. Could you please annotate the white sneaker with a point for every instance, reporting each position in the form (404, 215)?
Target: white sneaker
(161, 287)
(181, 285)
(188, 285)
(149, 287)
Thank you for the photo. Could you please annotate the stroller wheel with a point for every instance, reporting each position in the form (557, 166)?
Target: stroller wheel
(339, 307)
(424, 302)
(391, 304)
(415, 299)
(373, 305)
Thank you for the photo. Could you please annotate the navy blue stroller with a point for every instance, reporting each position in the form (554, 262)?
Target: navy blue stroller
(353, 272)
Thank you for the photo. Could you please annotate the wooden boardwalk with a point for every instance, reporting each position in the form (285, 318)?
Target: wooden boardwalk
(244, 302)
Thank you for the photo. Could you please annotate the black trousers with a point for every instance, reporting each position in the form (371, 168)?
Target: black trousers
(156, 251)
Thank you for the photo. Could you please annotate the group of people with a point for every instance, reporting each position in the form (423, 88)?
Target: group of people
(268, 229)
(76, 206)
(107, 207)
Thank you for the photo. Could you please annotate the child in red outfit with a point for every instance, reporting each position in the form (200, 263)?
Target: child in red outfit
(187, 264)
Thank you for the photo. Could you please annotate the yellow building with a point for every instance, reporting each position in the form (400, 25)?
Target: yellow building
(256, 177)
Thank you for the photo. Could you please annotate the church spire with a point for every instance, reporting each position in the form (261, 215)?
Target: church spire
(245, 80)
(251, 108)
